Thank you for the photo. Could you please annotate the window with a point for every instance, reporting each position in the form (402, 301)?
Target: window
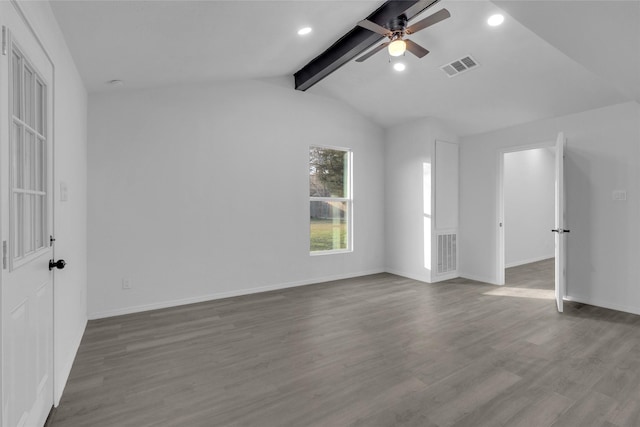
(28, 160)
(330, 200)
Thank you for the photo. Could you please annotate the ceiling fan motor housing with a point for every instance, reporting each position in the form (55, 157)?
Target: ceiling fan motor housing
(398, 25)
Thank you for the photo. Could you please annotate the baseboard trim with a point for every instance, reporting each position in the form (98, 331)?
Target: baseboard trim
(220, 295)
(617, 307)
(446, 276)
(420, 278)
(228, 294)
(62, 376)
(478, 278)
(528, 261)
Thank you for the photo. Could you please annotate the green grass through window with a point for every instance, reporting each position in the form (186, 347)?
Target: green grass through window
(323, 232)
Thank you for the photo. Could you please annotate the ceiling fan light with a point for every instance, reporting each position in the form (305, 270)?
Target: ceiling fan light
(397, 47)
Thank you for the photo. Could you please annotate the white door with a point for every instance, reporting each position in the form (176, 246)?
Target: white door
(560, 231)
(26, 79)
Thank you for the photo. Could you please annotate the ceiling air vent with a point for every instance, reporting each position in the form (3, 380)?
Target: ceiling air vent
(459, 66)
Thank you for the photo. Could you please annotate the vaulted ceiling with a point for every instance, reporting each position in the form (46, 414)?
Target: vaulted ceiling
(549, 58)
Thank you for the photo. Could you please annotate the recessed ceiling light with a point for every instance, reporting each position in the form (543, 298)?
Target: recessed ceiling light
(399, 66)
(304, 31)
(495, 20)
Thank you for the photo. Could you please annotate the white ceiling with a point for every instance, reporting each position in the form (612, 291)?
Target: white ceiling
(604, 36)
(549, 57)
(154, 43)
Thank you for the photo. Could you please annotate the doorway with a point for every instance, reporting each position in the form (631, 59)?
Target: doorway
(530, 204)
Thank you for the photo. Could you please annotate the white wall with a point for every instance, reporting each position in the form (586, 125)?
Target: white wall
(446, 185)
(70, 284)
(446, 197)
(409, 196)
(529, 205)
(198, 192)
(602, 155)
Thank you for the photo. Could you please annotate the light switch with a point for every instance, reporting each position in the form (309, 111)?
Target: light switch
(64, 192)
(619, 195)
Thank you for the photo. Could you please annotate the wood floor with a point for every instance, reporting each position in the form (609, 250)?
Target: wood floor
(378, 350)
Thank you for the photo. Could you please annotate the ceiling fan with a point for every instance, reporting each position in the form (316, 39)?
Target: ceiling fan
(396, 33)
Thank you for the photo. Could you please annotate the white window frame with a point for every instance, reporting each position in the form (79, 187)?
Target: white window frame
(25, 257)
(348, 200)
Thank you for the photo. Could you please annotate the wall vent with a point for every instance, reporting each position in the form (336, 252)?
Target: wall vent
(459, 66)
(447, 253)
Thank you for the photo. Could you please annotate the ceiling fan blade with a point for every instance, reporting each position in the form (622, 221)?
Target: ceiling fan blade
(428, 21)
(372, 52)
(372, 26)
(416, 49)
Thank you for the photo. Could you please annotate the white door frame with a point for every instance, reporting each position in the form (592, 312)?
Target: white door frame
(52, 138)
(500, 243)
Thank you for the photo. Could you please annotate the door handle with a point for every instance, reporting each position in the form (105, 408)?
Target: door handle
(57, 264)
(555, 230)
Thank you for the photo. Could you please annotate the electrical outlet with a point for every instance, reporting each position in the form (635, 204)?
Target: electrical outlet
(126, 283)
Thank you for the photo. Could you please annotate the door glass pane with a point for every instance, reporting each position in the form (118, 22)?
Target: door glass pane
(17, 92)
(39, 222)
(39, 163)
(28, 216)
(329, 228)
(40, 107)
(28, 97)
(17, 157)
(17, 225)
(28, 165)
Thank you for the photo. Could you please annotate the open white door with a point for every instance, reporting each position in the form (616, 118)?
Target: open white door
(26, 110)
(560, 231)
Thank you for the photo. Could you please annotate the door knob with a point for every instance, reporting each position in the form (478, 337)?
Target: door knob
(59, 264)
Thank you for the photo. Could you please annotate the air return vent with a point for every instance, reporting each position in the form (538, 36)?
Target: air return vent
(447, 253)
(459, 66)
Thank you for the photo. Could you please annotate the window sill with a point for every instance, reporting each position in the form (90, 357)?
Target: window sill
(339, 251)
